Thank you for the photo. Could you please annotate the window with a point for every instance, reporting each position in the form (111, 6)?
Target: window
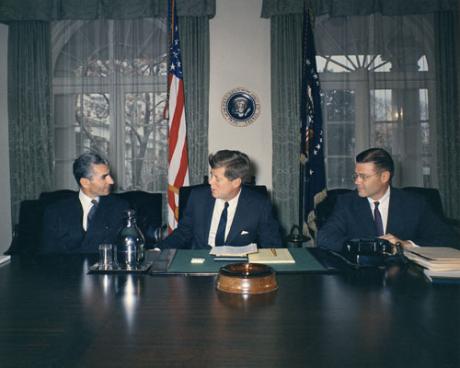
(377, 90)
(109, 92)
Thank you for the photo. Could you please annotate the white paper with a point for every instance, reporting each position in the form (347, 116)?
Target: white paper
(227, 250)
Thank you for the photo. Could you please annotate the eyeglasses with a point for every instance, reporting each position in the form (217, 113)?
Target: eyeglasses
(363, 177)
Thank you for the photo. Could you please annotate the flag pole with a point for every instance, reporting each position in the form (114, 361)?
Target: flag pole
(296, 235)
(312, 182)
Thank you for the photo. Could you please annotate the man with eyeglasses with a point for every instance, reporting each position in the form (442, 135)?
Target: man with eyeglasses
(376, 209)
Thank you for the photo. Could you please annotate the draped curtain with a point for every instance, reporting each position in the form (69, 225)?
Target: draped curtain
(448, 117)
(30, 128)
(286, 56)
(194, 36)
(31, 110)
(387, 71)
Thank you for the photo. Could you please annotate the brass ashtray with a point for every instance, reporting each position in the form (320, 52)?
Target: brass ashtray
(246, 278)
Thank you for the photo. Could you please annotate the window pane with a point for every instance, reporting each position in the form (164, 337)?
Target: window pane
(145, 133)
(339, 171)
(387, 135)
(423, 96)
(92, 114)
(350, 63)
(340, 139)
(381, 105)
(340, 136)
(340, 105)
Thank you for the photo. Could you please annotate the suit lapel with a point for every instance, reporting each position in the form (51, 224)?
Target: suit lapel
(366, 220)
(207, 215)
(98, 223)
(75, 214)
(392, 222)
(242, 210)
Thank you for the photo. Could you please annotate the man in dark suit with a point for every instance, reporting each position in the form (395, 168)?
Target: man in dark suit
(227, 212)
(376, 209)
(93, 216)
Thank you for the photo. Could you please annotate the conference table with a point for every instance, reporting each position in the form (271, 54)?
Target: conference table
(53, 313)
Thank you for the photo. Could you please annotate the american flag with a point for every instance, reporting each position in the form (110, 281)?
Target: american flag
(312, 138)
(178, 157)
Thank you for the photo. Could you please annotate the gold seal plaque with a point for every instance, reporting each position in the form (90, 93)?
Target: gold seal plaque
(240, 107)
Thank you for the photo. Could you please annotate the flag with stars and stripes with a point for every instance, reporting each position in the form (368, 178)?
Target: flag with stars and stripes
(312, 139)
(178, 173)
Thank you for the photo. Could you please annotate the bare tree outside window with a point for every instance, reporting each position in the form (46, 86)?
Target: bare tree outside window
(110, 95)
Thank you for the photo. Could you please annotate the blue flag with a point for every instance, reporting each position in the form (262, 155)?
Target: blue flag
(313, 180)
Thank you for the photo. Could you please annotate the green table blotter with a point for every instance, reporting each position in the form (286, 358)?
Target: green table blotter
(304, 262)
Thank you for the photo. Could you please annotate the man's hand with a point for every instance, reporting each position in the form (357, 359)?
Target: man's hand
(405, 244)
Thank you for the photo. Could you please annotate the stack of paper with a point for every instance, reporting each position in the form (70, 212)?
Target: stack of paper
(229, 251)
(272, 255)
(438, 262)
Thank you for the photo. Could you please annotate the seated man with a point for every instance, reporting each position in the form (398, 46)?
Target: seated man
(376, 209)
(93, 216)
(227, 212)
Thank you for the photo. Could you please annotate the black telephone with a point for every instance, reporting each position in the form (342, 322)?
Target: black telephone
(368, 252)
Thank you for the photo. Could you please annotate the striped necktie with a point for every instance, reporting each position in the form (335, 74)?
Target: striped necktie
(378, 220)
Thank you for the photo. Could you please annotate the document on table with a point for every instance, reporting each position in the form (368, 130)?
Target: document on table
(437, 254)
(230, 251)
(272, 256)
(439, 262)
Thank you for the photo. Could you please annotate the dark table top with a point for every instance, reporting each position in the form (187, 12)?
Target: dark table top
(54, 314)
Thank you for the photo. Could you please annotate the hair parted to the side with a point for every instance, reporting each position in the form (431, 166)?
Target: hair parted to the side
(236, 164)
(82, 166)
(379, 157)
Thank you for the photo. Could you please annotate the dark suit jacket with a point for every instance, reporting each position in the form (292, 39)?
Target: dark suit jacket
(63, 231)
(409, 218)
(253, 221)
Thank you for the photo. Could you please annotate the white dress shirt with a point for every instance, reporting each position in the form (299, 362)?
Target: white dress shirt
(86, 205)
(384, 204)
(217, 212)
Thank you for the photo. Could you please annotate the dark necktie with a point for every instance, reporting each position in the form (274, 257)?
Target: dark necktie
(220, 234)
(91, 213)
(378, 220)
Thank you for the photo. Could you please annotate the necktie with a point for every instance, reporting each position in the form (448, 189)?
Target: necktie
(91, 213)
(378, 220)
(220, 234)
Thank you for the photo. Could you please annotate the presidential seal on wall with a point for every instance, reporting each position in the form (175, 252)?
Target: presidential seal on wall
(240, 107)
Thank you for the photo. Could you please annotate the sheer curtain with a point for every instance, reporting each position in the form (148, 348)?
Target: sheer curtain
(95, 78)
(30, 126)
(109, 90)
(381, 72)
(378, 80)
(448, 117)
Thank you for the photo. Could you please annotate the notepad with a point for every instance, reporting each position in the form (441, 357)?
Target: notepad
(267, 256)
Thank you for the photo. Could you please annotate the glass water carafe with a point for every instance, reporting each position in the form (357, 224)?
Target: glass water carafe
(130, 243)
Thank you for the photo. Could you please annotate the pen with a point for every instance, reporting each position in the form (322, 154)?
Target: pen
(273, 251)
